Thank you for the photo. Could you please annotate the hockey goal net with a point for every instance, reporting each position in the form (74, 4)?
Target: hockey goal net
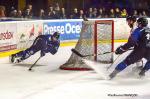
(96, 37)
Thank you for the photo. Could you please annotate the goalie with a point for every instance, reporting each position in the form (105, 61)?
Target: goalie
(140, 40)
(43, 43)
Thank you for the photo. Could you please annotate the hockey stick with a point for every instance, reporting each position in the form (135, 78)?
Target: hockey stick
(34, 64)
(116, 60)
(113, 62)
(80, 55)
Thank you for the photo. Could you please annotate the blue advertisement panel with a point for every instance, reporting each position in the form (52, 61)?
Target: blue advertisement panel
(69, 30)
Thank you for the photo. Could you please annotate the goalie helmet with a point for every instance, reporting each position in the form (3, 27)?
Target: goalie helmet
(142, 21)
(133, 18)
(56, 35)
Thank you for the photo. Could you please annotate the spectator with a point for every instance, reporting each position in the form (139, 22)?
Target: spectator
(13, 14)
(75, 14)
(124, 13)
(27, 14)
(2, 11)
(41, 14)
(56, 7)
(95, 13)
(19, 14)
(57, 11)
(100, 13)
(105, 13)
(112, 13)
(81, 14)
(90, 13)
(144, 14)
(63, 13)
(51, 13)
(29, 6)
(117, 13)
(30, 9)
(135, 13)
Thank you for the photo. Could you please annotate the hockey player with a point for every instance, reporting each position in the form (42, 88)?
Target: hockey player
(131, 21)
(140, 40)
(43, 43)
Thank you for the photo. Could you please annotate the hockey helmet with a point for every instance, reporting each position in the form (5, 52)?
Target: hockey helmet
(143, 21)
(133, 18)
(56, 35)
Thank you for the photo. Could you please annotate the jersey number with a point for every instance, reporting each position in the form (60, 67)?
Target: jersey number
(148, 36)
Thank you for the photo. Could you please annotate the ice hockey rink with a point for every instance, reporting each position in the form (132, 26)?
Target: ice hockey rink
(46, 81)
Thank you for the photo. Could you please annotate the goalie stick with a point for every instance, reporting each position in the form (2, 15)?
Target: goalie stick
(80, 55)
(34, 64)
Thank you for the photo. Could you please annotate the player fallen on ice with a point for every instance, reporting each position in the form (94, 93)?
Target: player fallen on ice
(140, 40)
(131, 21)
(44, 43)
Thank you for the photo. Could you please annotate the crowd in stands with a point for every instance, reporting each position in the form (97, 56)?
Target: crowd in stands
(57, 12)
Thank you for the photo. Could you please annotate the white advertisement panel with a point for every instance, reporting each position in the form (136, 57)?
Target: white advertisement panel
(27, 32)
(121, 28)
(7, 36)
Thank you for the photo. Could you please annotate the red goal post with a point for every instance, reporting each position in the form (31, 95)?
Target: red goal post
(110, 22)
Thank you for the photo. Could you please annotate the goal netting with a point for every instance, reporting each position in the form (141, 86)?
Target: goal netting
(96, 37)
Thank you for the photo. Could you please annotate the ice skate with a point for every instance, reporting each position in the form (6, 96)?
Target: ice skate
(142, 74)
(136, 70)
(113, 74)
(18, 60)
(12, 58)
(15, 59)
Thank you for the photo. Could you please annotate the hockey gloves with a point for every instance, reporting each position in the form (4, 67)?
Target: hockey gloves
(120, 50)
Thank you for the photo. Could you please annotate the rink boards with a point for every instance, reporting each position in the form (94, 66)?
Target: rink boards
(18, 35)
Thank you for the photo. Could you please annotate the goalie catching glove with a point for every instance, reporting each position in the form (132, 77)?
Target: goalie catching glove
(120, 50)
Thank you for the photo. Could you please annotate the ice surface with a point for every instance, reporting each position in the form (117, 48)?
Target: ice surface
(46, 81)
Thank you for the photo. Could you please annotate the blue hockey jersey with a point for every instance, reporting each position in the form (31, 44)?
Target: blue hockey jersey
(134, 38)
(51, 45)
